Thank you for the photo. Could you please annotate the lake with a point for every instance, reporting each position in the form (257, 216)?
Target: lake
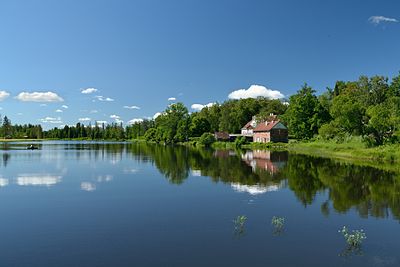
(124, 204)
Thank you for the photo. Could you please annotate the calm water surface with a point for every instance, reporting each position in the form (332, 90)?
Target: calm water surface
(118, 204)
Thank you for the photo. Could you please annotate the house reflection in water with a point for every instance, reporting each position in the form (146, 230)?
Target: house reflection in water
(260, 171)
(224, 153)
(270, 161)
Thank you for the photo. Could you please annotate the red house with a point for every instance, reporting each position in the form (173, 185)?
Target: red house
(271, 130)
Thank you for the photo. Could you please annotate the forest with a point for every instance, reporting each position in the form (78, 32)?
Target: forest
(368, 108)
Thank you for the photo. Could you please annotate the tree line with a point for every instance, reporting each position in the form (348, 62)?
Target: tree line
(7, 130)
(368, 107)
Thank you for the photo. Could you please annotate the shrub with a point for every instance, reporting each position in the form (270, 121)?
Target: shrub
(206, 139)
(240, 141)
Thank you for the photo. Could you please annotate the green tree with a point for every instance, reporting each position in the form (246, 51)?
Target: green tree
(183, 131)
(150, 134)
(305, 114)
(384, 120)
(199, 125)
(348, 110)
(167, 123)
(7, 127)
(206, 139)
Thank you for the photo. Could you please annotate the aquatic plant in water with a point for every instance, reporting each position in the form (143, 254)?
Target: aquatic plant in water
(353, 239)
(239, 225)
(278, 222)
(240, 221)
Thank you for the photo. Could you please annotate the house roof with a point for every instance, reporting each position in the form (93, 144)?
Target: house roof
(221, 135)
(266, 126)
(248, 125)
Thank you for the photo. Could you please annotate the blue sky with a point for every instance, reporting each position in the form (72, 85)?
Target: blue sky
(141, 53)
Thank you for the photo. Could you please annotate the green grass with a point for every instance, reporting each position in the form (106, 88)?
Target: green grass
(353, 149)
(269, 146)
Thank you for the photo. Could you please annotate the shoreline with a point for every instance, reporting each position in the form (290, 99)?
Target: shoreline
(386, 156)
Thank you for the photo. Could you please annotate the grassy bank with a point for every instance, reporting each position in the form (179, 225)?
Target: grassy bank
(353, 149)
(232, 145)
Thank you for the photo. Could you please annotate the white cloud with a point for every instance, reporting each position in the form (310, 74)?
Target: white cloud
(101, 122)
(1, 108)
(172, 99)
(84, 119)
(4, 95)
(103, 99)
(43, 105)
(64, 106)
(131, 107)
(379, 19)
(255, 91)
(89, 90)
(116, 118)
(93, 111)
(51, 120)
(133, 121)
(199, 107)
(59, 110)
(156, 115)
(39, 97)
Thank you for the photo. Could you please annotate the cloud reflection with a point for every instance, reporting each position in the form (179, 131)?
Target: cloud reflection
(254, 189)
(196, 173)
(89, 187)
(105, 178)
(130, 171)
(3, 182)
(38, 180)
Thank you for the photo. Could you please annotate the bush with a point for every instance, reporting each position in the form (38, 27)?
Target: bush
(150, 134)
(328, 131)
(206, 139)
(240, 141)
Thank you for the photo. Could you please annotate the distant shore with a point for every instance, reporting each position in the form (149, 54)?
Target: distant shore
(2, 140)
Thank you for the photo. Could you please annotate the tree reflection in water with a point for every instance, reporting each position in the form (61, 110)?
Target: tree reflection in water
(371, 191)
